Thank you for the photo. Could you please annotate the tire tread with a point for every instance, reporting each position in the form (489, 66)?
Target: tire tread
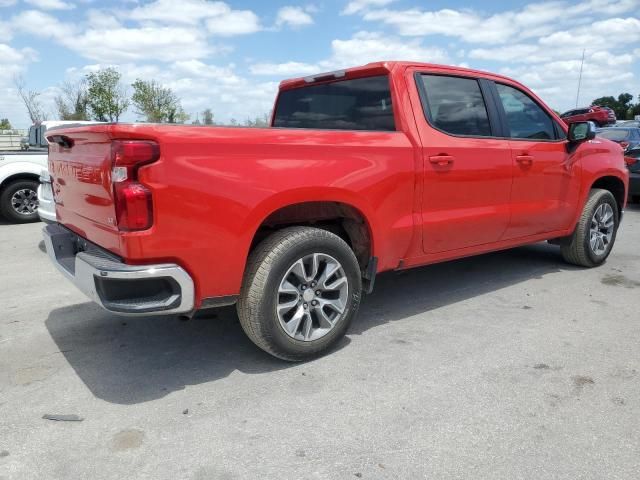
(259, 265)
(575, 252)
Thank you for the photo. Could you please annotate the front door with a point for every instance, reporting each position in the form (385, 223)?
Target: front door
(545, 188)
(467, 171)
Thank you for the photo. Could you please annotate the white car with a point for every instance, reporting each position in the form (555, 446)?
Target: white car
(19, 181)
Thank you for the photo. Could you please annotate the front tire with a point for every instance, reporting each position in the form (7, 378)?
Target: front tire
(301, 289)
(19, 201)
(595, 234)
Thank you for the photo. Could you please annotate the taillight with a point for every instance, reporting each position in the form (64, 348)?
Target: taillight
(628, 161)
(133, 200)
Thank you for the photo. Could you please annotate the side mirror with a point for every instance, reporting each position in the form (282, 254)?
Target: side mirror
(582, 131)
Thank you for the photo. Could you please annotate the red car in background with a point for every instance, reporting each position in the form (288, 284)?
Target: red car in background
(601, 116)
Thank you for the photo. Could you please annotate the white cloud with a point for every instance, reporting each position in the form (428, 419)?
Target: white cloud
(611, 32)
(171, 11)
(13, 62)
(119, 44)
(7, 3)
(10, 56)
(533, 20)
(356, 6)
(556, 81)
(236, 22)
(51, 4)
(283, 69)
(366, 47)
(101, 19)
(293, 16)
(42, 24)
(363, 47)
(608, 33)
(219, 17)
(146, 43)
(5, 31)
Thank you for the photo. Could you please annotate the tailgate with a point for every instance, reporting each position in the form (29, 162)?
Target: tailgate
(80, 169)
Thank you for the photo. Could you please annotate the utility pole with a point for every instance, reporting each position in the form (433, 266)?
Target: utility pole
(580, 78)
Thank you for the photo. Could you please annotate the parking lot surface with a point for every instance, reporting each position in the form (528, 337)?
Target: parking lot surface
(504, 366)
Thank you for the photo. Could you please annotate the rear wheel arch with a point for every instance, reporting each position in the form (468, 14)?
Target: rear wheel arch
(338, 217)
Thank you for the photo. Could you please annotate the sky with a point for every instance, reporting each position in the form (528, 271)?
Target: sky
(230, 56)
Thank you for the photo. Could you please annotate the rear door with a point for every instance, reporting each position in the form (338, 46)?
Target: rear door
(467, 167)
(545, 184)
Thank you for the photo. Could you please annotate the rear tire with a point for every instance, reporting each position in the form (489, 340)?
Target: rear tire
(19, 201)
(593, 238)
(296, 282)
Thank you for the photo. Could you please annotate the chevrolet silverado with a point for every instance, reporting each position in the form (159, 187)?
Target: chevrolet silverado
(387, 166)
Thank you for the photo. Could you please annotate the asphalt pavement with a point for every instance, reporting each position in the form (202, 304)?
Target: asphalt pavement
(511, 365)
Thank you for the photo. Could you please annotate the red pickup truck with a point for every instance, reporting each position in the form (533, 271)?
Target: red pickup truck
(387, 166)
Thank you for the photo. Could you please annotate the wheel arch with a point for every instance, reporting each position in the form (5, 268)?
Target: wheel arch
(615, 185)
(332, 211)
(18, 176)
(19, 171)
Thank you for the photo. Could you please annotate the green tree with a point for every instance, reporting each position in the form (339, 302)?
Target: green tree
(157, 103)
(635, 110)
(620, 106)
(73, 101)
(624, 99)
(107, 96)
(610, 102)
(5, 124)
(207, 117)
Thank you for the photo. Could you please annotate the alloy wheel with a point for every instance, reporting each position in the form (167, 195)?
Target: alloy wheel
(312, 297)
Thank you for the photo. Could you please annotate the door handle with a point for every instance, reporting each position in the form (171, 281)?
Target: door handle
(524, 160)
(441, 160)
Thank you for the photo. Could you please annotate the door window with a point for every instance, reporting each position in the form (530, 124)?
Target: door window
(525, 118)
(455, 105)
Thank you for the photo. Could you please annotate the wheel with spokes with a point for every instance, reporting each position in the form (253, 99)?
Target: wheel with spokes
(19, 201)
(301, 289)
(595, 234)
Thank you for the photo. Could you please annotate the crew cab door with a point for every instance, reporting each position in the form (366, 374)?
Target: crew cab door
(466, 168)
(545, 185)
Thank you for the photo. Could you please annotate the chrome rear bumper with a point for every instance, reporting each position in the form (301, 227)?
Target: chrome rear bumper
(117, 287)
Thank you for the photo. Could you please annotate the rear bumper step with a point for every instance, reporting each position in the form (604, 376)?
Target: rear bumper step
(118, 287)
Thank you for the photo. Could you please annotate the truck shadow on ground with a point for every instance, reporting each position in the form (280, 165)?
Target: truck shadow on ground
(132, 360)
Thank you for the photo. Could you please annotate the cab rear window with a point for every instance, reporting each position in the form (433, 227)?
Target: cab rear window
(358, 104)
